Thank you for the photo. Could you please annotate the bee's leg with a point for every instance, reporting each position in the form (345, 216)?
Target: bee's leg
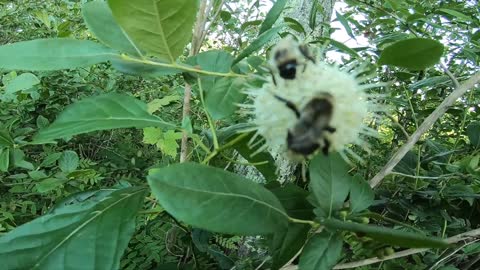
(290, 105)
(304, 50)
(330, 129)
(326, 147)
(273, 77)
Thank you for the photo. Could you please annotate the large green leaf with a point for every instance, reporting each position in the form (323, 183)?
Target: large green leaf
(217, 200)
(23, 81)
(361, 194)
(473, 132)
(160, 27)
(214, 60)
(293, 199)
(413, 54)
(100, 21)
(222, 95)
(386, 235)
(340, 46)
(258, 43)
(272, 16)
(53, 54)
(321, 252)
(89, 235)
(330, 183)
(128, 66)
(285, 244)
(102, 112)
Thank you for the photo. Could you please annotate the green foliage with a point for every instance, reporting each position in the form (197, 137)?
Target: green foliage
(164, 29)
(321, 251)
(414, 54)
(53, 54)
(96, 231)
(99, 113)
(197, 194)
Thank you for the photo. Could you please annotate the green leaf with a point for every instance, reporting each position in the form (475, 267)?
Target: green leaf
(340, 46)
(42, 122)
(473, 133)
(312, 17)
(386, 235)
(50, 159)
(222, 95)
(19, 160)
(53, 54)
(217, 200)
(161, 28)
(294, 200)
(263, 161)
(434, 81)
(158, 103)
(413, 54)
(257, 44)
(68, 162)
(4, 159)
(294, 25)
(345, 24)
(460, 16)
(285, 244)
(168, 143)
(128, 66)
(214, 60)
(245, 25)
(23, 81)
(361, 194)
(91, 234)
(50, 184)
(330, 182)
(321, 252)
(100, 21)
(5, 139)
(152, 135)
(102, 112)
(272, 16)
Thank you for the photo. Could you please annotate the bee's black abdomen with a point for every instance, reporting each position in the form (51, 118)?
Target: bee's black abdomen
(288, 70)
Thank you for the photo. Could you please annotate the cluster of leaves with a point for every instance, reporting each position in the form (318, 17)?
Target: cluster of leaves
(91, 187)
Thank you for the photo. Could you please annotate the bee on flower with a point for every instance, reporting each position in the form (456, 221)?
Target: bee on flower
(323, 108)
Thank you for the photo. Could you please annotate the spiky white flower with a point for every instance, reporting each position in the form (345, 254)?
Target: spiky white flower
(351, 106)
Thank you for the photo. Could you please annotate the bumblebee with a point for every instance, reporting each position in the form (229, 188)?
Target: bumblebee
(286, 56)
(308, 134)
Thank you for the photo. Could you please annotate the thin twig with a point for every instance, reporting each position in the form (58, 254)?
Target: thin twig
(451, 240)
(398, 125)
(455, 82)
(424, 127)
(451, 254)
(195, 47)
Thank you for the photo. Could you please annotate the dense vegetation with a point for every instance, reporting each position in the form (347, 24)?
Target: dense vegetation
(92, 116)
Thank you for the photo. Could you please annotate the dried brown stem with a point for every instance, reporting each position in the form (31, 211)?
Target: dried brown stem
(197, 39)
(451, 240)
(424, 127)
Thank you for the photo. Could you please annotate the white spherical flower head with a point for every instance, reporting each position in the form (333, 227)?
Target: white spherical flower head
(275, 118)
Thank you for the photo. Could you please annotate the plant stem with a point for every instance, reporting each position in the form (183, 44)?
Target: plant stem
(181, 67)
(424, 127)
